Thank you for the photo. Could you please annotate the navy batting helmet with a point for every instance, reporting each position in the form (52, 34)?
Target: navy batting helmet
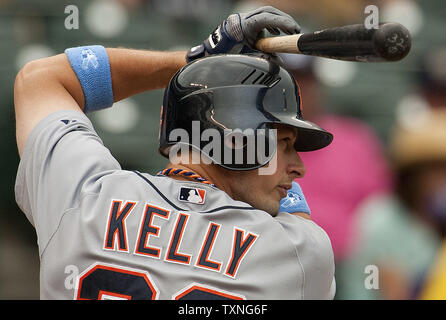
(228, 92)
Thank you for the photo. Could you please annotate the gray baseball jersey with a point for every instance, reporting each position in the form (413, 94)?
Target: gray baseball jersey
(108, 233)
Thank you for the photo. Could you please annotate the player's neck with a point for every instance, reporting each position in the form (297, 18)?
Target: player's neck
(208, 172)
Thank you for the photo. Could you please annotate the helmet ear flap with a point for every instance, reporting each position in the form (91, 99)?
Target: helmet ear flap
(266, 144)
(248, 149)
(238, 148)
(235, 140)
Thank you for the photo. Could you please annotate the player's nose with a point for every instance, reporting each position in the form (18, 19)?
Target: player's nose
(296, 167)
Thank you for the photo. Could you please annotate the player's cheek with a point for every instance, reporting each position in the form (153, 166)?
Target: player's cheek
(281, 166)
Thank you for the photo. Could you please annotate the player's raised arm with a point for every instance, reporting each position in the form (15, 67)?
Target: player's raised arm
(91, 78)
(84, 78)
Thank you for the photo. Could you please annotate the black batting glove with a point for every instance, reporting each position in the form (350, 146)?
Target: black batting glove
(240, 31)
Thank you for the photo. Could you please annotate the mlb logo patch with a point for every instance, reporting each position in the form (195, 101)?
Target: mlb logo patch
(192, 195)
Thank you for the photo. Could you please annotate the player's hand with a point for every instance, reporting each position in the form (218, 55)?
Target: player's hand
(240, 31)
(295, 202)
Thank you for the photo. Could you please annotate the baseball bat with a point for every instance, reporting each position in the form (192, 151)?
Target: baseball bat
(390, 42)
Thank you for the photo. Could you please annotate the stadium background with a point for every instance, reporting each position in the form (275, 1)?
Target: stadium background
(30, 29)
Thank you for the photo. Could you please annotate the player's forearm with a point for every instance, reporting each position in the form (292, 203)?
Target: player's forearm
(132, 72)
(136, 71)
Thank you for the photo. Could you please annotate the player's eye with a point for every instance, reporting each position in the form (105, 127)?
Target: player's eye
(285, 142)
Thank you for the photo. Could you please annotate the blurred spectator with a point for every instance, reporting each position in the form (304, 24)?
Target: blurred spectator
(342, 175)
(401, 232)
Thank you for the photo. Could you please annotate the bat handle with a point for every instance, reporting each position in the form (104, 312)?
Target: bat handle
(286, 44)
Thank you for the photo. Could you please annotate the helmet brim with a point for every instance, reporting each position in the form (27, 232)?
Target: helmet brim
(310, 136)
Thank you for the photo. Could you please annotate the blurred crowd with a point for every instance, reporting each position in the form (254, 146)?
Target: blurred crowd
(379, 190)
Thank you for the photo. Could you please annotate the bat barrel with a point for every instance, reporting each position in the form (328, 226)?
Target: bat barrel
(352, 43)
(390, 42)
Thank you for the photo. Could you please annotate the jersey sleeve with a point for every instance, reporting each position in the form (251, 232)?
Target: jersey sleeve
(315, 255)
(62, 154)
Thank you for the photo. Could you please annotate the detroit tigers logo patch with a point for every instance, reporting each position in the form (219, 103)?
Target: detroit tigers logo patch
(192, 195)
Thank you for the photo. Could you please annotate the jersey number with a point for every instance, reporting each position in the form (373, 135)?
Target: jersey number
(105, 282)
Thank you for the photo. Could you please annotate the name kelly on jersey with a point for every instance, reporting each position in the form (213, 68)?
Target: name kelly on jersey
(151, 225)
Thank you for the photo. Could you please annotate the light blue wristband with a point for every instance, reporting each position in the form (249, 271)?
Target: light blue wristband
(92, 67)
(294, 201)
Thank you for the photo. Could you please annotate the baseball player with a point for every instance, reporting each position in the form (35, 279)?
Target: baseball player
(196, 230)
